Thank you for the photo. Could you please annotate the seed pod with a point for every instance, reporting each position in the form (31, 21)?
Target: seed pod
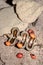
(29, 44)
(19, 38)
(6, 36)
(24, 36)
(31, 33)
(14, 31)
(19, 43)
(12, 40)
(19, 55)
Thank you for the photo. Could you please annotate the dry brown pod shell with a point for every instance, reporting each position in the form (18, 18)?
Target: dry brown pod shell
(24, 35)
(30, 44)
(14, 31)
(19, 44)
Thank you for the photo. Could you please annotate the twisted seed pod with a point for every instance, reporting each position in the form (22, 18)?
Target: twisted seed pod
(24, 35)
(30, 45)
(14, 31)
(19, 38)
(19, 43)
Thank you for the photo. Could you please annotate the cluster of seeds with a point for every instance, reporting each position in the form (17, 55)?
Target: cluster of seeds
(20, 39)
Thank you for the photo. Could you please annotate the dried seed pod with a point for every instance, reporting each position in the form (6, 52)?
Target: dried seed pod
(33, 56)
(12, 40)
(29, 44)
(24, 36)
(19, 38)
(19, 55)
(19, 44)
(14, 31)
(6, 36)
(27, 40)
(31, 33)
(9, 42)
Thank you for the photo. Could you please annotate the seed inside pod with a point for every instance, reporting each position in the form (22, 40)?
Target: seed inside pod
(24, 36)
(14, 31)
(19, 38)
(7, 43)
(32, 35)
(19, 55)
(19, 45)
(30, 31)
(33, 56)
(12, 40)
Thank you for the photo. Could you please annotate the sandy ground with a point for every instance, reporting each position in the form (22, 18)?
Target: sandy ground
(8, 53)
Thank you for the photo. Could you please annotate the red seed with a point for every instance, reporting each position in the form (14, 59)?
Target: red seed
(30, 31)
(33, 56)
(19, 55)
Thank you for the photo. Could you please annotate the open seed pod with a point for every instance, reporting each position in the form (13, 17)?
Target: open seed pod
(20, 33)
(31, 33)
(24, 36)
(30, 44)
(15, 31)
(12, 40)
(19, 38)
(19, 44)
